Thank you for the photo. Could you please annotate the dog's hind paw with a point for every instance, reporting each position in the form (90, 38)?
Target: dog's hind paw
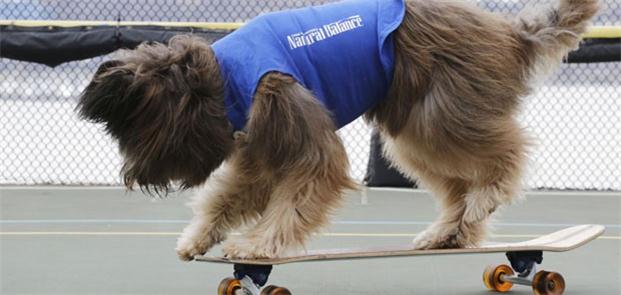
(445, 239)
(444, 242)
(449, 236)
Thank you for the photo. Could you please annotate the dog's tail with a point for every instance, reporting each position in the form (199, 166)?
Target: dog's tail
(554, 31)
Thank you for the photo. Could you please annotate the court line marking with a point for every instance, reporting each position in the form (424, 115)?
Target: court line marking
(328, 234)
(532, 193)
(338, 222)
(426, 193)
(499, 224)
(92, 221)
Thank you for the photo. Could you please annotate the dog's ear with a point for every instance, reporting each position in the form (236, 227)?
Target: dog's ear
(103, 99)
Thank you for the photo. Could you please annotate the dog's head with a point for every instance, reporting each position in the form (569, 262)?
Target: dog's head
(164, 104)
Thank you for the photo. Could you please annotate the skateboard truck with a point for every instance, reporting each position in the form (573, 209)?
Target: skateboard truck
(524, 261)
(502, 277)
(525, 264)
(249, 278)
(257, 273)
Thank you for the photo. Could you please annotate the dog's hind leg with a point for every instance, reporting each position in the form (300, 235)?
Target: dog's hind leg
(464, 213)
(469, 182)
(449, 229)
(223, 204)
(450, 121)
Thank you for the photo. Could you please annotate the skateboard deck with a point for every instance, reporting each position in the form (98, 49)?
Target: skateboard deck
(559, 241)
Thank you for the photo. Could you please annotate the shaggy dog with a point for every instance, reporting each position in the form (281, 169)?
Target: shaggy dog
(448, 119)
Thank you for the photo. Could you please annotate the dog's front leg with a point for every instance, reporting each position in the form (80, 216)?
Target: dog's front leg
(297, 209)
(291, 139)
(218, 208)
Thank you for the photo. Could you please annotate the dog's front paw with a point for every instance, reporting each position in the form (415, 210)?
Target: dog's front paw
(187, 248)
(244, 248)
(195, 240)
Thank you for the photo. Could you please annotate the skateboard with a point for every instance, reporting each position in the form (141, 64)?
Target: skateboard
(252, 275)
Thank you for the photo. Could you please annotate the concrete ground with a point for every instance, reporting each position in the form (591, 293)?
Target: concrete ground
(104, 241)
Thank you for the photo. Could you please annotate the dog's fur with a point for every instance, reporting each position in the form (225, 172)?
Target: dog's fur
(448, 121)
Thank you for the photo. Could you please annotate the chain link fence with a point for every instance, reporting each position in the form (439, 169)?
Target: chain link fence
(574, 117)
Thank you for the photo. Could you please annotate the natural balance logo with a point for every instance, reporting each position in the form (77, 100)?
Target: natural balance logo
(327, 31)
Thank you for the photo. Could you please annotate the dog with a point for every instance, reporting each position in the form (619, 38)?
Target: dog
(252, 117)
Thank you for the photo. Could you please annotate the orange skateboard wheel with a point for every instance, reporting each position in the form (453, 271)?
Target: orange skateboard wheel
(548, 283)
(492, 277)
(228, 286)
(275, 290)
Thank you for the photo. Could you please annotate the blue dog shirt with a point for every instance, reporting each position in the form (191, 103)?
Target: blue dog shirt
(342, 52)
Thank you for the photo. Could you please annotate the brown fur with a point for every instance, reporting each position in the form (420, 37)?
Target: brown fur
(286, 177)
(448, 121)
(156, 101)
(461, 73)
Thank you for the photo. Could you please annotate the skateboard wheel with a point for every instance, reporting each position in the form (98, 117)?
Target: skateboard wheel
(492, 277)
(548, 283)
(228, 286)
(275, 290)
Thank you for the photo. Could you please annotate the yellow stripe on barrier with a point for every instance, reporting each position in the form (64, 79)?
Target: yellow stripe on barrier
(593, 32)
(603, 32)
(73, 23)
